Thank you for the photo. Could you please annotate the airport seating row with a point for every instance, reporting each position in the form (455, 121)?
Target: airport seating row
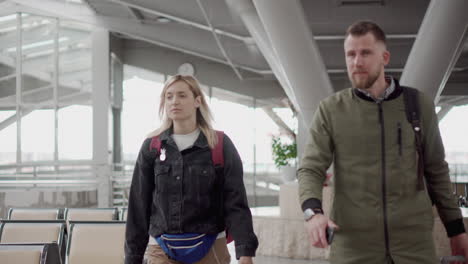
(79, 235)
(67, 214)
(28, 253)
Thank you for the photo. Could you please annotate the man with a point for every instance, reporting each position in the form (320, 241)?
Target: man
(382, 212)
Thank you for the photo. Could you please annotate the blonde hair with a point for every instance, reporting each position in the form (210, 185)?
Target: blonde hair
(203, 116)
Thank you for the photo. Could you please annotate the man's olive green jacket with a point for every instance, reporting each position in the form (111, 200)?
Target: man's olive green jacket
(380, 211)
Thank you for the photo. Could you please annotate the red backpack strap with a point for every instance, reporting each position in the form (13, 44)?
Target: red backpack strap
(217, 154)
(155, 144)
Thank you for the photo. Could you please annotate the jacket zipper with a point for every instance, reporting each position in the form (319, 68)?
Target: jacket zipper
(399, 139)
(384, 187)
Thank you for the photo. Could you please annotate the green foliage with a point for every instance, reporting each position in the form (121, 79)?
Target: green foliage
(283, 153)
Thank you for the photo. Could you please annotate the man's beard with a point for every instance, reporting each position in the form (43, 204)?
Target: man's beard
(365, 83)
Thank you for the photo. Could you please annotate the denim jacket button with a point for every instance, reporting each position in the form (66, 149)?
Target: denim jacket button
(178, 178)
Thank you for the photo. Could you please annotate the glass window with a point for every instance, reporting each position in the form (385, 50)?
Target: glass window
(37, 124)
(264, 130)
(75, 115)
(236, 120)
(140, 112)
(8, 33)
(453, 131)
(75, 79)
(37, 50)
(37, 136)
(7, 139)
(75, 132)
(8, 128)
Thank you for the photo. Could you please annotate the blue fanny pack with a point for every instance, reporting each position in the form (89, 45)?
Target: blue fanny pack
(187, 248)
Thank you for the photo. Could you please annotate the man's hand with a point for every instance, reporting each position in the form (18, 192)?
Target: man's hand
(245, 260)
(459, 245)
(316, 230)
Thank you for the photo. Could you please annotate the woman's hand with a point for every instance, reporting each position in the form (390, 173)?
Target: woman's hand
(245, 260)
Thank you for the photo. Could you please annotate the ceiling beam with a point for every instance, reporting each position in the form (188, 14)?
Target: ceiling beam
(455, 89)
(7, 77)
(90, 6)
(147, 9)
(279, 122)
(136, 14)
(124, 26)
(177, 19)
(453, 100)
(218, 42)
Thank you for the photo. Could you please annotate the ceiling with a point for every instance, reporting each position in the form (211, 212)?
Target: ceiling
(211, 31)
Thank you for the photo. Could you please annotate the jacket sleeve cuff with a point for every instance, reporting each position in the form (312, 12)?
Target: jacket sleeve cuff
(312, 203)
(244, 250)
(133, 259)
(455, 227)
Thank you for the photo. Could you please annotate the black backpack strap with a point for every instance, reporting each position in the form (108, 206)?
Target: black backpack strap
(412, 109)
(410, 95)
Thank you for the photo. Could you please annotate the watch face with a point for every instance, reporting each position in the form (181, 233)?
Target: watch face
(186, 69)
(308, 213)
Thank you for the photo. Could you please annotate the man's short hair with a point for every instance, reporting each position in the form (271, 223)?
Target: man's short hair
(361, 28)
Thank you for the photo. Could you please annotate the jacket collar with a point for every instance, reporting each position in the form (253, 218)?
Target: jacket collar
(398, 90)
(166, 137)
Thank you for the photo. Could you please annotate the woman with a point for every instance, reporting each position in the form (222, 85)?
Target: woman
(176, 192)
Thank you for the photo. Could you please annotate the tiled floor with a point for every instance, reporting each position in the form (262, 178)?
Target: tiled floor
(277, 260)
(274, 260)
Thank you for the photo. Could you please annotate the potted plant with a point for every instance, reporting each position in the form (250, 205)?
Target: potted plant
(284, 157)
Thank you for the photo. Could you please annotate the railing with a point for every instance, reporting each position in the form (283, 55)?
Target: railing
(49, 175)
(459, 173)
(120, 180)
(264, 179)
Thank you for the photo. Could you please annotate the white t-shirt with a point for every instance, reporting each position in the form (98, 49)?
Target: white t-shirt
(184, 142)
(187, 140)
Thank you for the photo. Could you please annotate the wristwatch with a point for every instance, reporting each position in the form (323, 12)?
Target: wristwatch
(309, 213)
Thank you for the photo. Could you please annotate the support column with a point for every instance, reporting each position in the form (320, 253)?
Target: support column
(302, 137)
(437, 47)
(297, 52)
(19, 85)
(117, 80)
(101, 114)
(56, 92)
(246, 11)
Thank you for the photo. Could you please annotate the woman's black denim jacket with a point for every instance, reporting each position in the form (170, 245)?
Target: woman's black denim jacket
(184, 194)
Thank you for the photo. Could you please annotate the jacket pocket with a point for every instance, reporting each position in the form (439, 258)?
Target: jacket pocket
(202, 178)
(161, 173)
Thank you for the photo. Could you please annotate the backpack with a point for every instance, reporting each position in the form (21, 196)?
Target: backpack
(217, 156)
(412, 109)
